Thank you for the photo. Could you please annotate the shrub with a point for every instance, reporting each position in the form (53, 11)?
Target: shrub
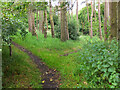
(99, 63)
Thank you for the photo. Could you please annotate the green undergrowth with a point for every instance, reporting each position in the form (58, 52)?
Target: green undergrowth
(99, 63)
(50, 50)
(86, 68)
(18, 70)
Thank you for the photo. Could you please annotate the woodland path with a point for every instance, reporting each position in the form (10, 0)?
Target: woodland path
(49, 77)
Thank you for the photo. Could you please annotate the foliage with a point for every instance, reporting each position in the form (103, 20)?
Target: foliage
(72, 28)
(18, 71)
(99, 62)
(85, 25)
(11, 22)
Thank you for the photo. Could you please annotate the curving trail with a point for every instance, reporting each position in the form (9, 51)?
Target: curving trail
(50, 77)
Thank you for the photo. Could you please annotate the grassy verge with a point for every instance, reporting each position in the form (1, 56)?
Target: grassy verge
(50, 49)
(19, 71)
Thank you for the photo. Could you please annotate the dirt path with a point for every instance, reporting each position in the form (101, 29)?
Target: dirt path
(50, 77)
(71, 52)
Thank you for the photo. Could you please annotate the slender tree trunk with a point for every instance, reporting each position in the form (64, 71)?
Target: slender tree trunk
(46, 18)
(37, 20)
(113, 20)
(66, 19)
(45, 24)
(88, 16)
(94, 11)
(41, 21)
(99, 19)
(10, 48)
(91, 32)
(119, 22)
(77, 16)
(29, 20)
(64, 34)
(72, 9)
(105, 20)
(51, 19)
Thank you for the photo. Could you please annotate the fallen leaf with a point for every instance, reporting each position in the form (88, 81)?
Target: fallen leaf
(43, 81)
(51, 79)
(85, 83)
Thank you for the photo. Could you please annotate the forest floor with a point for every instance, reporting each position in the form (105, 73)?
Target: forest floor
(58, 62)
(50, 77)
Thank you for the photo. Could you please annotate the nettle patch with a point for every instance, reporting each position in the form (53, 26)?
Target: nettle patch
(99, 61)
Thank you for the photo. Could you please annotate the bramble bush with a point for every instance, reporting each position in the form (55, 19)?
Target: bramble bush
(100, 64)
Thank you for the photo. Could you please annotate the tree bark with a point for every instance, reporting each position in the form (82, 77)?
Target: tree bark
(41, 21)
(37, 20)
(45, 24)
(105, 20)
(99, 19)
(113, 20)
(77, 16)
(91, 32)
(119, 22)
(46, 18)
(64, 32)
(51, 20)
(88, 16)
(72, 9)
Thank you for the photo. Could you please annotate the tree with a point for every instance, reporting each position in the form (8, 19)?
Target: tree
(64, 26)
(105, 20)
(99, 19)
(77, 15)
(113, 20)
(40, 20)
(37, 19)
(51, 19)
(91, 32)
(45, 24)
(119, 21)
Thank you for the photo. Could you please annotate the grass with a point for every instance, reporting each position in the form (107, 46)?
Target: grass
(19, 71)
(50, 49)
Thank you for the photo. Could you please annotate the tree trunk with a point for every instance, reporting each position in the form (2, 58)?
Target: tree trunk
(46, 18)
(41, 21)
(45, 24)
(37, 20)
(88, 16)
(94, 11)
(66, 19)
(91, 32)
(113, 20)
(51, 19)
(105, 20)
(99, 19)
(119, 22)
(72, 9)
(64, 32)
(10, 48)
(30, 19)
(77, 16)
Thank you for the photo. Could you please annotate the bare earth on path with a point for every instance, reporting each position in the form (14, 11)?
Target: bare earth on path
(50, 77)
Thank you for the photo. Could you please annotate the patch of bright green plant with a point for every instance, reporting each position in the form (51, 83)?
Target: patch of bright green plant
(50, 49)
(18, 70)
(99, 62)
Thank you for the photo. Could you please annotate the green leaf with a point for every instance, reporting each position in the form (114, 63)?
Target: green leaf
(104, 69)
(111, 69)
(111, 63)
(105, 65)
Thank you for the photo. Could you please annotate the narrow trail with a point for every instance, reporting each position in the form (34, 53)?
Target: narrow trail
(50, 77)
(71, 52)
